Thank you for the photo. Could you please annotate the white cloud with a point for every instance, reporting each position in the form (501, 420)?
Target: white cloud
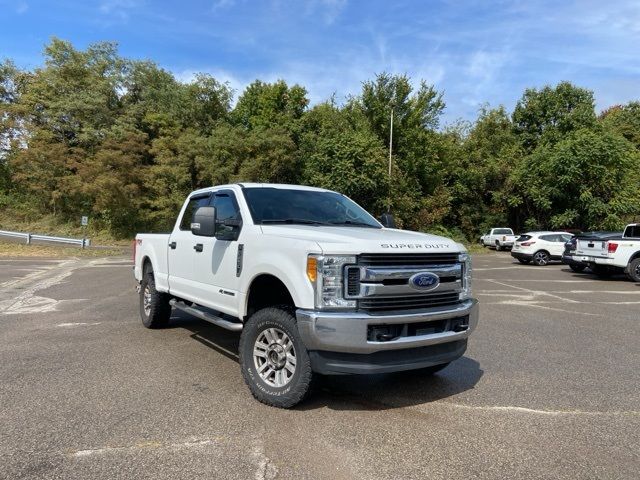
(119, 9)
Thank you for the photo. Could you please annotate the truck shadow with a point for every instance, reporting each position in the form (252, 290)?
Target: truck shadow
(354, 392)
(393, 390)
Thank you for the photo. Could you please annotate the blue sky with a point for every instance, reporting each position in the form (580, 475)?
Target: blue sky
(473, 51)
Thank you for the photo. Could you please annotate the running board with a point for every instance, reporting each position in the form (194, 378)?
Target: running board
(208, 317)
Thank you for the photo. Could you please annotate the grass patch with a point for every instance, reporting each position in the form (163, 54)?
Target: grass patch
(12, 249)
(50, 225)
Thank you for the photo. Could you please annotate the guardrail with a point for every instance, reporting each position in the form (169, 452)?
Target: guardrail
(30, 237)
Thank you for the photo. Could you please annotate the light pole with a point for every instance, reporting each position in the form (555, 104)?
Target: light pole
(391, 104)
(390, 143)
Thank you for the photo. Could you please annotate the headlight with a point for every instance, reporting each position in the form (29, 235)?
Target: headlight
(326, 274)
(465, 259)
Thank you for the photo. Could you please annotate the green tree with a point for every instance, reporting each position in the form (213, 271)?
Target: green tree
(479, 171)
(547, 115)
(624, 120)
(587, 180)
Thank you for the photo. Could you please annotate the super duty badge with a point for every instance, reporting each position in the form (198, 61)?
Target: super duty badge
(415, 245)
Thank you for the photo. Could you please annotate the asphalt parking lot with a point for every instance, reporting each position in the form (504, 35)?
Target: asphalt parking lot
(549, 388)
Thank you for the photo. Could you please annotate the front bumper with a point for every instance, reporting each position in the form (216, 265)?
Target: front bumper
(347, 332)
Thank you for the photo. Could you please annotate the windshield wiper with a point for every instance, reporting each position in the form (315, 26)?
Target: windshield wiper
(302, 221)
(351, 222)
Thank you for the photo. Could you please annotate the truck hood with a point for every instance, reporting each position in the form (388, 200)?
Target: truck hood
(356, 240)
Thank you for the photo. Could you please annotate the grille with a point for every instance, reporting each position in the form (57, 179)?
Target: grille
(407, 259)
(385, 304)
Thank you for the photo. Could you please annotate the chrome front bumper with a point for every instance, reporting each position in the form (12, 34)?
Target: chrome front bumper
(347, 331)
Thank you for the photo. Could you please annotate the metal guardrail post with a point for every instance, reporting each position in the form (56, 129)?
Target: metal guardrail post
(28, 239)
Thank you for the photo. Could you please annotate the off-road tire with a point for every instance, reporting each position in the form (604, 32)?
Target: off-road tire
(298, 387)
(577, 268)
(159, 311)
(634, 270)
(541, 258)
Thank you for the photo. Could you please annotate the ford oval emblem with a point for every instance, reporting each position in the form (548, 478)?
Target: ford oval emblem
(424, 281)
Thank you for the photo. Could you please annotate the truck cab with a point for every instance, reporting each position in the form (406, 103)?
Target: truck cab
(314, 283)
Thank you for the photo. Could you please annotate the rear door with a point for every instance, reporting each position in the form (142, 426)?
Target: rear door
(180, 256)
(552, 243)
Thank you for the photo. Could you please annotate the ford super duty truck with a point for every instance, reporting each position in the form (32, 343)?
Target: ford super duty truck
(313, 282)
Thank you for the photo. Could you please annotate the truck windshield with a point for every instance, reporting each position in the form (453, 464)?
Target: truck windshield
(305, 207)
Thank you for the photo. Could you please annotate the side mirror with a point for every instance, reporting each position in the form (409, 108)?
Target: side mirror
(387, 220)
(204, 222)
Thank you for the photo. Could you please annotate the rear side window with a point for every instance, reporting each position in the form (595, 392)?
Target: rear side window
(192, 206)
(549, 238)
(565, 237)
(523, 238)
(632, 231)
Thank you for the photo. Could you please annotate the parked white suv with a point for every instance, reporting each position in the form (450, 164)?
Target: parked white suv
(540, 247)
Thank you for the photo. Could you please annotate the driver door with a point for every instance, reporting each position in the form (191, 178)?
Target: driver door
(214, 264)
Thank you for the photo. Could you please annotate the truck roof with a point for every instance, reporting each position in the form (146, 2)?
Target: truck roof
(264, 185)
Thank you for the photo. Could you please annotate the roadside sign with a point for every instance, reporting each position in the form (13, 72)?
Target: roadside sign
(85, 221)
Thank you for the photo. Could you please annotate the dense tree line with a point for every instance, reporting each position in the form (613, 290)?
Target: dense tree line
(124, 141)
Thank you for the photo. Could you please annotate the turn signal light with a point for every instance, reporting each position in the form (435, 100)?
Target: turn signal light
(312, 269)
(612, 247)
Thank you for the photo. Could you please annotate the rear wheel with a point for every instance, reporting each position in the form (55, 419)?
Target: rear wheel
(634, 269)
(498, 247)
(155, 310)
(577, 267)
(274, 361)
(541, 258)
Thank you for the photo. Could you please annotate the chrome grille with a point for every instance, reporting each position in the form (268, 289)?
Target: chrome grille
(382, 304)
(407, 259)
(380, 282)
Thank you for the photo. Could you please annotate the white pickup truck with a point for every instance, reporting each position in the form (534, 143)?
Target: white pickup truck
(606, 257)
(499, 238)
(314, 283)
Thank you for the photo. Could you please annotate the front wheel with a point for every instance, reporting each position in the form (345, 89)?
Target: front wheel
(541, 258)
(634, 269)
(273, 359)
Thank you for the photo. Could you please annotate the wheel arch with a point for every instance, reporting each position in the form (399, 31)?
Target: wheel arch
(267, 290)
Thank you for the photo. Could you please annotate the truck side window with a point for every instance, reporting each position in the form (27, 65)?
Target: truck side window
(633, 231)
(226, 206)
(192, 206)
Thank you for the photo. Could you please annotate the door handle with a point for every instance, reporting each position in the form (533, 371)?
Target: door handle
(173, 245)
(197, 247)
